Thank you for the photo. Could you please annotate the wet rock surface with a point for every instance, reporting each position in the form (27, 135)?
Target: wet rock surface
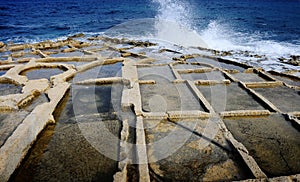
(8, 123)
(271, 140)
(276, 96)
(191, 161)
(111, 109)
(66, 147)
(41, 73)
(7, 89)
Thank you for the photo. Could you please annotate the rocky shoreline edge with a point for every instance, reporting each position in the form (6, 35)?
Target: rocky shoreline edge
(24, 116)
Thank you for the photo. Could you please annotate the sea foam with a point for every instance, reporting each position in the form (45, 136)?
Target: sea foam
(175, 24)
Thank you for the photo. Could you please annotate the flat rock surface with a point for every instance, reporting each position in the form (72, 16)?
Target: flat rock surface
(118, 109)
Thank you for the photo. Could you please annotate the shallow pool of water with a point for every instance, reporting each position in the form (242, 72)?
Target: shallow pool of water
(7, 89)
(35, 74)
(79, 147)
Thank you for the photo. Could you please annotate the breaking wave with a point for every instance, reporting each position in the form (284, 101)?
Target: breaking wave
(216, 35)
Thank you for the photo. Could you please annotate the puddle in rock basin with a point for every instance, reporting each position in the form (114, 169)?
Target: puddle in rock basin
(157, 73)
(34, 74)
(229, 97)
(69, 54)
(7, 89)
(216, 63)
(213, 75)
(69, 150)
(166, 96)
(103, 71)
(272, 141)
(189, 158)
(188, 66)
(9, 122)
(284, 98)
(289, 80)
(2, 72)
(248, 77)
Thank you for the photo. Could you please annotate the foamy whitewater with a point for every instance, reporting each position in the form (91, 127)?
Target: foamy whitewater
(259, 32)
(221, 37)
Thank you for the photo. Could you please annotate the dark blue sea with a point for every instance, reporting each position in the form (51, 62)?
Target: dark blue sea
(262, 26)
